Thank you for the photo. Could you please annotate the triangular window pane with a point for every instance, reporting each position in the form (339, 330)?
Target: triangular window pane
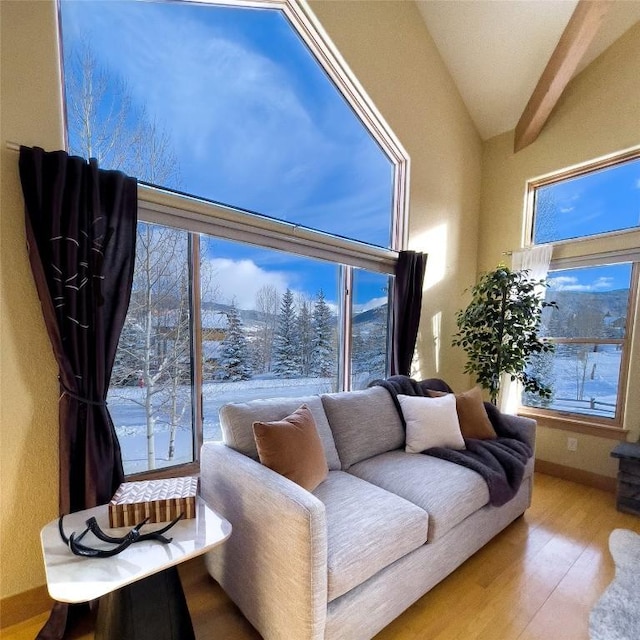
(227, 104)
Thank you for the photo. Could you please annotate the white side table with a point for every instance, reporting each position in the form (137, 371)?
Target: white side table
(140, 593)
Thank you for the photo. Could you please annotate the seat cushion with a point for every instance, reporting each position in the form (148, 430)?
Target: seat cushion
(448, 492)
(368, 528)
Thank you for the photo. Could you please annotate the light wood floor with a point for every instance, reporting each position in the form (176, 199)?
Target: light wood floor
(537, 580)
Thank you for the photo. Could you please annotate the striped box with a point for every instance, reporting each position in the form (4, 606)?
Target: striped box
(159, 500)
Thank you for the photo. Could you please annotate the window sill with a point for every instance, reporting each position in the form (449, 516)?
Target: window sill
(567, 423)
(189, 469)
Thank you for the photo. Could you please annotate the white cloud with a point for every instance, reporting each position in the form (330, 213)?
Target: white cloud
(571, 283)
(221, 98)
(240, 280)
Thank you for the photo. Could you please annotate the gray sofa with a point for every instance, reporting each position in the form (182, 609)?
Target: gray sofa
(382, 529)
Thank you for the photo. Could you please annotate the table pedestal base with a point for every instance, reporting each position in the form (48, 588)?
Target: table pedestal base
(154, 608)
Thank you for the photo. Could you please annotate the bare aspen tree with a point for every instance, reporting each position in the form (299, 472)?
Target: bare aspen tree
(155, 342)
(267, 303)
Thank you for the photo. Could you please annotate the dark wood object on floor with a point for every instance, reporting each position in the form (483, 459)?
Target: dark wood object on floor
(628, 494)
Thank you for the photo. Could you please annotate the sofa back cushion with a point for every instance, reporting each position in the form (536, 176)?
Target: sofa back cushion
(237, 418)
(364, 423)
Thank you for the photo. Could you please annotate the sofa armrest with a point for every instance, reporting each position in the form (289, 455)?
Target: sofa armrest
(274, 564)
(525, 426)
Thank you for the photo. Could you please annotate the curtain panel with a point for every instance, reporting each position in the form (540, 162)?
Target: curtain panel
(407, 305)
(81, 232)
(536, 261)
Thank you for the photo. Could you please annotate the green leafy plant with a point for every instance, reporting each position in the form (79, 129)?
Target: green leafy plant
(499, 330)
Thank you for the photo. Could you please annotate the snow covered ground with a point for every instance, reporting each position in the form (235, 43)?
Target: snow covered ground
(600, 373)
(603, 365)
(129, 417)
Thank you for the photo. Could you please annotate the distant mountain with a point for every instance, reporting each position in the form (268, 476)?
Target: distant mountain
(377, 314)
(587, 313)
(606, 302)
(250, 317)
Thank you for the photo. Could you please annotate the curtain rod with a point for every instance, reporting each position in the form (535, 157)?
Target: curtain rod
(510, 253)
(13, 146)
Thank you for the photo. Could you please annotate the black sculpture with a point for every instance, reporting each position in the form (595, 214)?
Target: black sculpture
(74, 544)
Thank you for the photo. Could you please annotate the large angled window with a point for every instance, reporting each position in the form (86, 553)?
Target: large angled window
(268, 181)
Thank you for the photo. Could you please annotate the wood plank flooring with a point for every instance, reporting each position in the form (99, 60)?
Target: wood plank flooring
(537, 580)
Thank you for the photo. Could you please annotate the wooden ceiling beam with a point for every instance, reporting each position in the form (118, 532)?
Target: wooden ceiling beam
(573, 44)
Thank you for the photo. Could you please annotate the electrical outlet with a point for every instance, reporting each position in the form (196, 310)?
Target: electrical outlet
(572, 444)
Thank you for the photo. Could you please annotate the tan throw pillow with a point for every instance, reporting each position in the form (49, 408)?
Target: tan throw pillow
(473, 417)
(431, 422)
(292, 448)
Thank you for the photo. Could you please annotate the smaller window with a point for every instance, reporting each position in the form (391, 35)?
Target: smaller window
(599, 201)
(589, 329)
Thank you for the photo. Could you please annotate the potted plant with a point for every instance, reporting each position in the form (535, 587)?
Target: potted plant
(499, 330)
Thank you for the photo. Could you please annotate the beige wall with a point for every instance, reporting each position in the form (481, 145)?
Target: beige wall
(387, 46)
(30, 114)
(389, 49)
(598, 114)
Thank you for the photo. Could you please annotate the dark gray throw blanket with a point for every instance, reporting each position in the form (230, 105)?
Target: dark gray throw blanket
(500, 462)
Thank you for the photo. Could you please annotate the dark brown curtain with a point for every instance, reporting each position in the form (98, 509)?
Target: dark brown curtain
(81, 231)
(407, 303)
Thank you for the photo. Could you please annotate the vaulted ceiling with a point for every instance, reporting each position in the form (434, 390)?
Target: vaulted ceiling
(497, 50)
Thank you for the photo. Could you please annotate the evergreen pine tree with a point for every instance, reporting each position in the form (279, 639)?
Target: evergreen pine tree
(375, 344)
(323, 363)
(286, 356)
(235, 363)
(305, 337)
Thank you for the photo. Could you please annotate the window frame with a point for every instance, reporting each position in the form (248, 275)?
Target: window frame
(591, 251)
(195, 215)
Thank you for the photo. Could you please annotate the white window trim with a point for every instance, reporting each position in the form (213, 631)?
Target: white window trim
(200, 216)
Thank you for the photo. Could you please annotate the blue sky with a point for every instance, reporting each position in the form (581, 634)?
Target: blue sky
(596, 202)
(592, 279)
(253, 120)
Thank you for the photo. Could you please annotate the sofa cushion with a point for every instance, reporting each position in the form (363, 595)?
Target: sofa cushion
(448, 492)
(431, 422)
(292, 448)
(364, 423)
(367, 529)
(237, 418)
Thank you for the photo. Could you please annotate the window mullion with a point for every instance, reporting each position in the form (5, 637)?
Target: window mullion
(196, 342)
(346, 318)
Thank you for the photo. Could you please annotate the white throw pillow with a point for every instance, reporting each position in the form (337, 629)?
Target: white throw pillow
(431, 422)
